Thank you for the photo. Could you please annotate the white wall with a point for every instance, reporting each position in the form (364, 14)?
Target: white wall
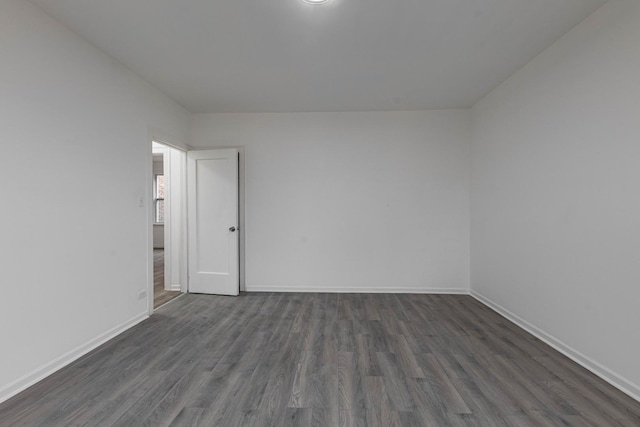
(74, 242)
(351, 201)
(555, 232)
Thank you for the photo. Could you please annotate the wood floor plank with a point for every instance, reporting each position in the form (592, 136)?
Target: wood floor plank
(367, 359)
(491, 391)
(301, 395)
(353, 418)
(437, 379)
(600, 394)
(187, 417)
(429, 407)
(395, 383)
(277, 359)
(380, 412)
(526, 376)
(350, 392)
(407, 359)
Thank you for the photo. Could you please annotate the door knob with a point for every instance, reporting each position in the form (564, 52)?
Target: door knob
(232, 229)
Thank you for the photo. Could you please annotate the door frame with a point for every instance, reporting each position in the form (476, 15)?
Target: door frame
(160, 137)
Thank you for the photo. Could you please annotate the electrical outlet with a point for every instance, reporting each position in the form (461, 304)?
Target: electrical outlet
(142, 294)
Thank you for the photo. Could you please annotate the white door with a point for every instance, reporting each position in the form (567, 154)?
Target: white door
(212, 185)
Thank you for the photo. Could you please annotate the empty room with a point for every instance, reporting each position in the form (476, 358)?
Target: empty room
(372, 213)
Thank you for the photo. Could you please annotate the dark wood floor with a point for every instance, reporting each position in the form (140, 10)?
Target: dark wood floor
(160, 295)
(323, 360)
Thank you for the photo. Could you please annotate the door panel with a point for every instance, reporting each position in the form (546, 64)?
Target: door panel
(213, 221)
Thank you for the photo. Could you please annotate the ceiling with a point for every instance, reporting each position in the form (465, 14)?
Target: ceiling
(215, 56)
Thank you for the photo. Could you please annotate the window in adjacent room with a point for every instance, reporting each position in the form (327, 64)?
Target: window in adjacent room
(158, 193)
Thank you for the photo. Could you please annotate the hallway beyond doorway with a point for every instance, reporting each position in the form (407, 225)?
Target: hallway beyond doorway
(160, 295)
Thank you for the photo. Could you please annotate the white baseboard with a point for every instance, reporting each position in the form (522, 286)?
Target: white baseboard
(357, 289)
(175, 287)
(613, 378)
(44, 371)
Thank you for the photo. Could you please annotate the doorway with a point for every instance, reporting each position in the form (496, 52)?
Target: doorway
(168, 210)
(174, 260)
